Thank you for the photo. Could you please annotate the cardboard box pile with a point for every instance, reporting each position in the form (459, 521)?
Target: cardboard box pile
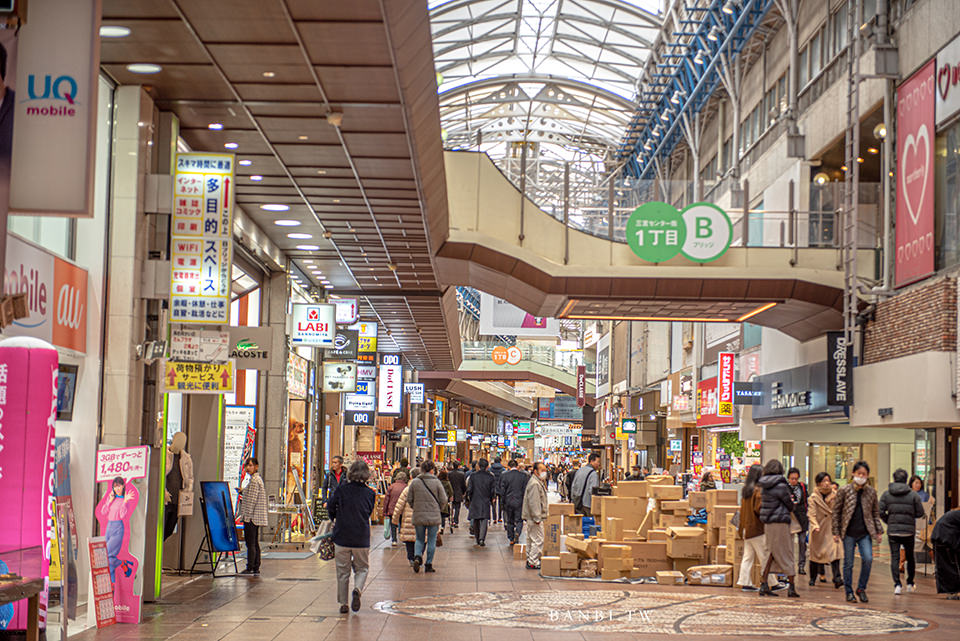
(718, 575)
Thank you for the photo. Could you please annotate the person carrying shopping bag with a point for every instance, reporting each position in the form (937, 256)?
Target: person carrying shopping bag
(350, 508)
(427, 497)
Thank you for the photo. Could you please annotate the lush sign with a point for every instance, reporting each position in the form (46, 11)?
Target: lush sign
(656, 232)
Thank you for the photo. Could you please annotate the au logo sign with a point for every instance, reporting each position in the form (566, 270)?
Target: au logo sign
(656, 232)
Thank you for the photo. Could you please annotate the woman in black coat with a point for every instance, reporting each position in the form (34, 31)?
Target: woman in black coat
(946, 550)
(481, 487)
(776, 506)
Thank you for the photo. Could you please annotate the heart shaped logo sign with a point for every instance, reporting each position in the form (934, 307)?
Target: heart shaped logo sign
(914, 167)
(943, 81)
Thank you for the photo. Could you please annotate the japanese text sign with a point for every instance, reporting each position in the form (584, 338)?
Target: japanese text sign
(725, 384)
(199, 378)
(126, 462)
(200, 244)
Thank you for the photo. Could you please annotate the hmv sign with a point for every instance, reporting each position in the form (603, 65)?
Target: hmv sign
(56, 293)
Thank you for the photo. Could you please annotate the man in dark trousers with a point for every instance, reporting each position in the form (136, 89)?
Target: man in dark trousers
(481, 489)
(798, 491)
(497, 469)
(335, 477)
(512, 486)
(458, 481)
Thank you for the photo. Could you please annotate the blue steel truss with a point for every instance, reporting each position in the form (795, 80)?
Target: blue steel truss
(469, 299)
(686, 78)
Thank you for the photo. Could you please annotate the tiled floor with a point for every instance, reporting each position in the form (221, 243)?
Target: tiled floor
(296, 600)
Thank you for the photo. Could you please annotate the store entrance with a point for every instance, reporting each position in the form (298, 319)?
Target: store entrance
(837, 459)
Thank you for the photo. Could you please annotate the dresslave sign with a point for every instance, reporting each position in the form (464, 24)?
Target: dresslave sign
(314, 325)
(839, 370)
(581, 385)
(201, 238)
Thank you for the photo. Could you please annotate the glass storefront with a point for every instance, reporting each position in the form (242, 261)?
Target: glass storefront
(838, 460)
(947, 199)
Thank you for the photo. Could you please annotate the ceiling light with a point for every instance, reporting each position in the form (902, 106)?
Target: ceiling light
(873, 150)
(287, 223)
(301, 137)
(880, 131)
(328, 286)
(256, 178)
(352, 230)
(114, 31)
(729, 6)
(308, 248)
(859, 159)
(328, 234)
(245, 163)
(712, 35)
(392, 267)
(230, 145)
(335, 118)
(647, 145)
(336, 200)
(665, 116)
(269, 74)
(143, 67)
(843, 167)
(274, 207)
(698, 58)
(322, 172)
(216, 126)
(300, 236)
(821, 178)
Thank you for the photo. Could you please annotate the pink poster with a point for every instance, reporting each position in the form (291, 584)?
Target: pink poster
(916, 104)
(28, 406)
(117, 469)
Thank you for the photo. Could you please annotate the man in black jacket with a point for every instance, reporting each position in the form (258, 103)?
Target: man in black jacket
(458, 481)
(900, 507)
(497, 469)
(512, 486)
(335, 477)
(798, 491)
(481, 489)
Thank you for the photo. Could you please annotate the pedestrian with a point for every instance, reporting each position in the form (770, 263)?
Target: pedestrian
(856, 518)
(823, 548)
(707, 482)
(568, 480)
(443, 476)
(534, 512)
(334, 478)
(513, 485)
(637, 474)
(403, 514)
(480, 491)
(586, 478)
(751, 528)
(393, 494)
(900, 507)
(350, 508)
(458, 483)
(776, 506)
(253, 512)
(946, 554)
(497, 469)
(798, 491)
(427, 498)
(403, 467)
(916, 484)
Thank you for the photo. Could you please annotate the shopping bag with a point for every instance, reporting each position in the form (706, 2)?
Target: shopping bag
(439, 538)
(386, 528)
(325, 548)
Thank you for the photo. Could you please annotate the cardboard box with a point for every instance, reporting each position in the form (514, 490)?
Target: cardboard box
(609, 574)
(569, 561)
(722, 497)
(615, 550)
(676, 507)
(667, 492)
(697, 500)
(552, 534)
(650, 557)
(657, 534)
(646, 524)
(660, 479)
(588, 573)
(669, 577)
(613, 528)
(635, 489)
(685, 542)
(630, 510)
(638, 573)
(590, 565)
(672, 520)
(550, 565)
(713, 536)
(519, 551)
(559, 509)
(718, 514)
(731, 534)
(682, 565)
(616, 563)
(734, 553)
(569, 573)
(578, 546)
(720, 575)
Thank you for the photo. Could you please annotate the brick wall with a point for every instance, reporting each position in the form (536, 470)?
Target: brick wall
(919, 320)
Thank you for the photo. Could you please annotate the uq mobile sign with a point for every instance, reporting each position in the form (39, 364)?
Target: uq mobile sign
(656, 232)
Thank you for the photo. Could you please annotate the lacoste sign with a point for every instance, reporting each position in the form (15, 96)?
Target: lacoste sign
(656, 232)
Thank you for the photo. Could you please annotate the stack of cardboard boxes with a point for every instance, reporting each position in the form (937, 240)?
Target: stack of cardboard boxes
(645, 533)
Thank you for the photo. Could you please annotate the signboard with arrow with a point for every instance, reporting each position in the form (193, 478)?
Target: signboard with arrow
(199, 378)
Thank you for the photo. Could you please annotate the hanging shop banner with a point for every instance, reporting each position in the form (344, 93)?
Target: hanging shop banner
(366, 341)
(28, 378)
(239, 435)
(603, 366)
(581, 386)
(726, 362)
(358, 418)
(390, 389)
(359, 403)
(561, 408)
(656, 232)
(251, 347)
(794, 395)
(500, 318)
(201, 238)
(368, 388)
(199, 378)
(839, 370)
(339, 377)
(348, 310)
(103, 609)
(708, 405)
(344, 345)
(314, 325)
(198, 344)
(121, 516)
(915, 176)
(451, 438)
(298, 369)
(415, 392)
(747, 393)
(528, 389)
(366, 372)
(948, 81)
(55, 108)
(524, 429)
(56, 295)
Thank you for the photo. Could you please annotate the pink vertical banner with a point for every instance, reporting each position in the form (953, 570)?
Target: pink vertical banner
(28, 412)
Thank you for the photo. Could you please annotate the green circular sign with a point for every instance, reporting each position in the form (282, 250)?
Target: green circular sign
(709, 232)
(656, 232)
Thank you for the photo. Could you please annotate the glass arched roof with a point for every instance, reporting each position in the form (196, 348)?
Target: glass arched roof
(561, 74)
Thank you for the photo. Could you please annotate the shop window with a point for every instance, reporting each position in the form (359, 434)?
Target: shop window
(804, 71)
(838, 33)
(947, 198)
(55, 234)
(725, 163)
(782, 93)
(755, 218)
(816, 61)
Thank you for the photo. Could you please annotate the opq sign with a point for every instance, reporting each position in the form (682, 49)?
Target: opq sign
(56, 295)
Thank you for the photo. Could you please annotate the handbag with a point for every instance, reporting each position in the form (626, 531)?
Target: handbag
(439, 530)
(322, 543)
(795, 527)
(439, 538)
(387, 530)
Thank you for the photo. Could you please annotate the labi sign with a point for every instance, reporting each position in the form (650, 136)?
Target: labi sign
(656, 232)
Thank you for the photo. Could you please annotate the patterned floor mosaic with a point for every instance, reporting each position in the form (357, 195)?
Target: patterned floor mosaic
(654, 613)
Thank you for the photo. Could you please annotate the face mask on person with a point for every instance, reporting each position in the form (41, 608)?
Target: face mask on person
(859, 480)
(543, 475)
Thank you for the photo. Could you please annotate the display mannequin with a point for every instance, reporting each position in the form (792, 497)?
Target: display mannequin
(179, 481)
